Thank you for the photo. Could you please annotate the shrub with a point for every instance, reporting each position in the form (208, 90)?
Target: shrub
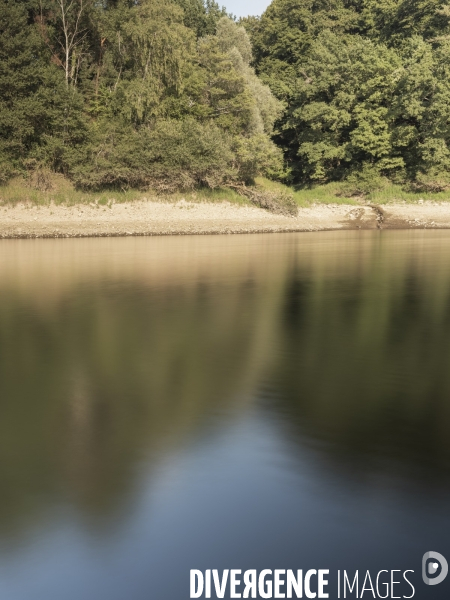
(172, 155)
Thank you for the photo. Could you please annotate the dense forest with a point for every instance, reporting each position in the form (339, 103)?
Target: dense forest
(125, 93)
(365, 86)
(174, 94)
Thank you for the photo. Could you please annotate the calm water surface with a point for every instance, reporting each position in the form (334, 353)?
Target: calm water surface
(265, 401)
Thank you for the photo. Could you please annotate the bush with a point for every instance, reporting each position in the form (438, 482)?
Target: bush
(174, 155)
(6, 170)
(363, 182)
(433, 181)
(257, 155)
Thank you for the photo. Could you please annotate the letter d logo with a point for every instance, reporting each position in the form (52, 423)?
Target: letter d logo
(431, 562)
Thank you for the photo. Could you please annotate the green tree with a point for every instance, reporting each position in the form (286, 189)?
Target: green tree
(109, 92)
(201, 15)
(365, 86)
(341, 115)
(27, 105)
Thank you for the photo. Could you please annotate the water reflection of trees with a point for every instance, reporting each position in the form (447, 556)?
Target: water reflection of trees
(112, 366)
(368, 338)
(113, 370)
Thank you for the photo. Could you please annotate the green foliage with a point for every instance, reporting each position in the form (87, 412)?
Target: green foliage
(175, 154)
(27, 107)
(231, 36)
(363, 182)
(201, 16)
(366, 86)
(257, 155)
(172, 93)
(343, 109)
(132, 94)
(155, 49)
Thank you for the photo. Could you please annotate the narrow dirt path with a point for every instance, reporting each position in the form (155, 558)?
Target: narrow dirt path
(379, 215)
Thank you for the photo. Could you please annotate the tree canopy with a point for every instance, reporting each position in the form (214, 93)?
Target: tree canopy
(171, 94)
(148, 93)
(365, 85)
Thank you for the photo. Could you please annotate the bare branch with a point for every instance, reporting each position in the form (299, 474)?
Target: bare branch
(73, 36)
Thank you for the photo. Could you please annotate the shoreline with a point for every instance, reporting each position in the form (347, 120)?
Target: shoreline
(149, 218)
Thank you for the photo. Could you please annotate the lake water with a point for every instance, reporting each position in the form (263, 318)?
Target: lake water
(222, 402)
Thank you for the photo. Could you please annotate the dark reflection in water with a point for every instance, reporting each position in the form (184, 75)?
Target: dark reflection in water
(277, 401)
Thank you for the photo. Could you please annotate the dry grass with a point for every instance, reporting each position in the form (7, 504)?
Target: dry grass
(56, 189)
(47, 188)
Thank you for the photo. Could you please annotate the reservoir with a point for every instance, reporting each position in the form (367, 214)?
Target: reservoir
(267, 401)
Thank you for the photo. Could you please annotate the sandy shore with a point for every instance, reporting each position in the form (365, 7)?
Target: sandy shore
(158, 218)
